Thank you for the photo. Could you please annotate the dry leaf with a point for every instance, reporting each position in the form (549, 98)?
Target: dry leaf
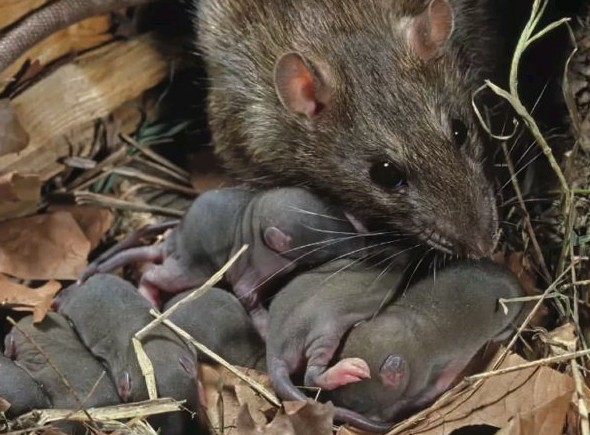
(548, 419)
(19, 194)
(298, 418)
(496, 401)
(49, 246)
(13, 137)
(561, 340)
(93, 221)
(225, 395)
(20, 298)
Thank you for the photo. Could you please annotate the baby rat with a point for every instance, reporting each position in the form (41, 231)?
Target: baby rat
(107, 312)
(60, 344)
(50, 18)
(309, 317)
(218, 320)
(368, 102)
(283, 227)
(18, 387)
(420, 344)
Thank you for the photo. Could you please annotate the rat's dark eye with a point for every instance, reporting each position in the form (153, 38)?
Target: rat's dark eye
(387, 174)
(459, 132)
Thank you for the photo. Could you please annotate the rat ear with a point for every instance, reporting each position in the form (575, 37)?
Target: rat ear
(124, 386)
(276, 240)
(299, 86)
(394, 372)
(429, 31)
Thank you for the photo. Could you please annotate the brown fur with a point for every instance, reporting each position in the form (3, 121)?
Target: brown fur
(386, 102)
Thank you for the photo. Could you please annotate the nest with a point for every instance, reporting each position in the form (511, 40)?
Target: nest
(86, 156)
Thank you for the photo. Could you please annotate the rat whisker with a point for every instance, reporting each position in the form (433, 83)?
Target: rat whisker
(311, 213)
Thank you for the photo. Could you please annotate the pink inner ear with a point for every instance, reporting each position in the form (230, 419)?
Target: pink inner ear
(124, 386)
(429, 31)
(276, 240)
(296, 85)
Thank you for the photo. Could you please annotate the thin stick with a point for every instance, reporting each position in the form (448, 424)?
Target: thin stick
(528, 365)
(264, 392)
(527, 218)
(194, 295)
(107, 201)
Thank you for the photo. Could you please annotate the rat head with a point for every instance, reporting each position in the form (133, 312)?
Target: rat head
(385, 117)
(300, 226)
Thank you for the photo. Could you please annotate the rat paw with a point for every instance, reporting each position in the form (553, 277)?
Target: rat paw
(345, 372)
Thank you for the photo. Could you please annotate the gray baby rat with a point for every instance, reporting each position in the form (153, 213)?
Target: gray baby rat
(107, 312)
(368, 102)
(283, 227)
(218, 320)
(18, 387)
(420, 344)
(309, 317)
(61, 345)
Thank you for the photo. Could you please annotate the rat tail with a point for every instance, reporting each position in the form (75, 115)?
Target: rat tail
(286, 390)
(144, 254)
(343, 415)
(50, 18)
(281, 380)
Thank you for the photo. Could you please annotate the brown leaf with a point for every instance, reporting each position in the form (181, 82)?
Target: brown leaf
(13, 137)
(19, 194)
(48, 246)
(93, 221)
(547, 419)
(298, 418)
(21, 298)
(496, 402)
(225, 396)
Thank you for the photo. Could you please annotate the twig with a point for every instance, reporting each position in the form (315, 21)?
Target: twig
(527, 218)
(181, 173)
(528, 365)
(194, 295)
(264, 392)
(107, 201)
(147, 369)
(153, 180)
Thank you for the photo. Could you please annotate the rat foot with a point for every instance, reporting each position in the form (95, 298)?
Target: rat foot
(346, 371)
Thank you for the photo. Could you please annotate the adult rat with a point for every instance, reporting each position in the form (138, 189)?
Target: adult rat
(88, 384)
(382, 368)
(218, 320)
(283, 227)
(107, 329)
(420, 344)
(368, 102)
(20, 390)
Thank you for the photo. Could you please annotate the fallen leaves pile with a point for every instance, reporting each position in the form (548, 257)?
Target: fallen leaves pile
(79, 169)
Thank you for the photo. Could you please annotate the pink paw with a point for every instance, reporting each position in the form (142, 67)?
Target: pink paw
(345, 372)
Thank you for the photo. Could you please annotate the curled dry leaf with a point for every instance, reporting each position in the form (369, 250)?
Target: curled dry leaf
(19, 194)
(561, 340)
(298, 418)
(13, 137)
(498, 401)
(48, 246)
(93, 221)
(225, 395)
(20, 298)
